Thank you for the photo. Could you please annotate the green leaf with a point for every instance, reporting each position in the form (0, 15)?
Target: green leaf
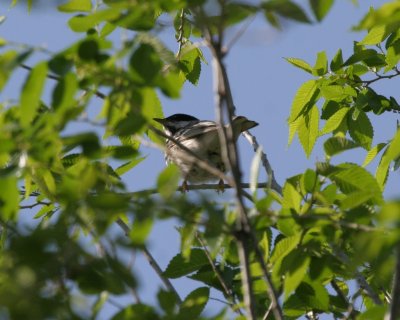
(145, 65)
(373, 313)
(392, 56)
(353, 178)
(284, 247)
(137, 311)
(179, 266)
(361, 130)
(9, 198)
(194, 303)
(321, 8)
(321, 65)
(293, 128)
(369, 56)
(308, 181)
(64, 92)
(337, 93)
(287, 9)
(76, 5)
(337, 61)
(189, 63)
(376, 35)
(31, 93)
(127, 166)
(372, 153)
(299, 63)
(308, 130)
(334, 121)
(168, 180)
(295, 266)
(291, 197)
(140, 230)
(82, 23)
(167, 301)
(306, 95)
(265, 245)
(391, 153)
(336, 145)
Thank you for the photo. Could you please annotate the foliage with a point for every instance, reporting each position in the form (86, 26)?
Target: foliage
(329, 225)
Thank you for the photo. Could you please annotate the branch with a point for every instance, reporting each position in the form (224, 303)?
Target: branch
(362, 282)
(380, 77)
(273, 184)
(224, 103)
(204, 186)
(152, 261)
(395, 305)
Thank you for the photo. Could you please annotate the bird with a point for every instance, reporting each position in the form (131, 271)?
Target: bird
(202, 138)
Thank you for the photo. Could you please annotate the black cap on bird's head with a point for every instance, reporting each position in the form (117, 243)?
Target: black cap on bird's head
(176, 122)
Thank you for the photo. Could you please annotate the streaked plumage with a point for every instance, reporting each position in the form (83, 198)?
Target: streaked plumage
(201, 137)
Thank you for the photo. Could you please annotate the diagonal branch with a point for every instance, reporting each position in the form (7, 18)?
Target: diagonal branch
(153, 262)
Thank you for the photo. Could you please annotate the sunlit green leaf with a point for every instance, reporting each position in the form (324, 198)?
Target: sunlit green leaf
(284, 247)
(372, 153)
(31, 93)
(321, 8)
(299, 63)
(179, 266)
(308, 130)
(334, 121)
(321, 65)
(392, 152)
(167, 181)
(361, 130)
(305, 95)
(295, 267)
(9, 198)
(336, 145)
(194, 303)
(375, 35)
(76, 5)
(337, 61)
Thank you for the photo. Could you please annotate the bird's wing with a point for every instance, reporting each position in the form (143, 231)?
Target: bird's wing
(197, 129)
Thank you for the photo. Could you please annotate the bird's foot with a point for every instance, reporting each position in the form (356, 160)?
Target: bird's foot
(221, 188)
(184, 187)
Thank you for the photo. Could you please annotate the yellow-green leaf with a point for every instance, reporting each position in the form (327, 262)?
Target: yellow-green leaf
(305, 95)
(167, 181)
(31, 93)
(308, 130)
(76, 5)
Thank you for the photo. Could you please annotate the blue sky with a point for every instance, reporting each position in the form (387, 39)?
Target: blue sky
(263, 86)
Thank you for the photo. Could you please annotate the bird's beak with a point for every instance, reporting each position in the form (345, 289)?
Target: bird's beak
(248, 125)
(159, 120)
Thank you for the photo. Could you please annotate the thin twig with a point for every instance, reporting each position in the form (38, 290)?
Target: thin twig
(267, 312)
(240, 33)
(204, 186)
(362, 282)
(181, 31)
(221, 280)
(152, 261)
(273, 184)
(57, 78)
(38, 203)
